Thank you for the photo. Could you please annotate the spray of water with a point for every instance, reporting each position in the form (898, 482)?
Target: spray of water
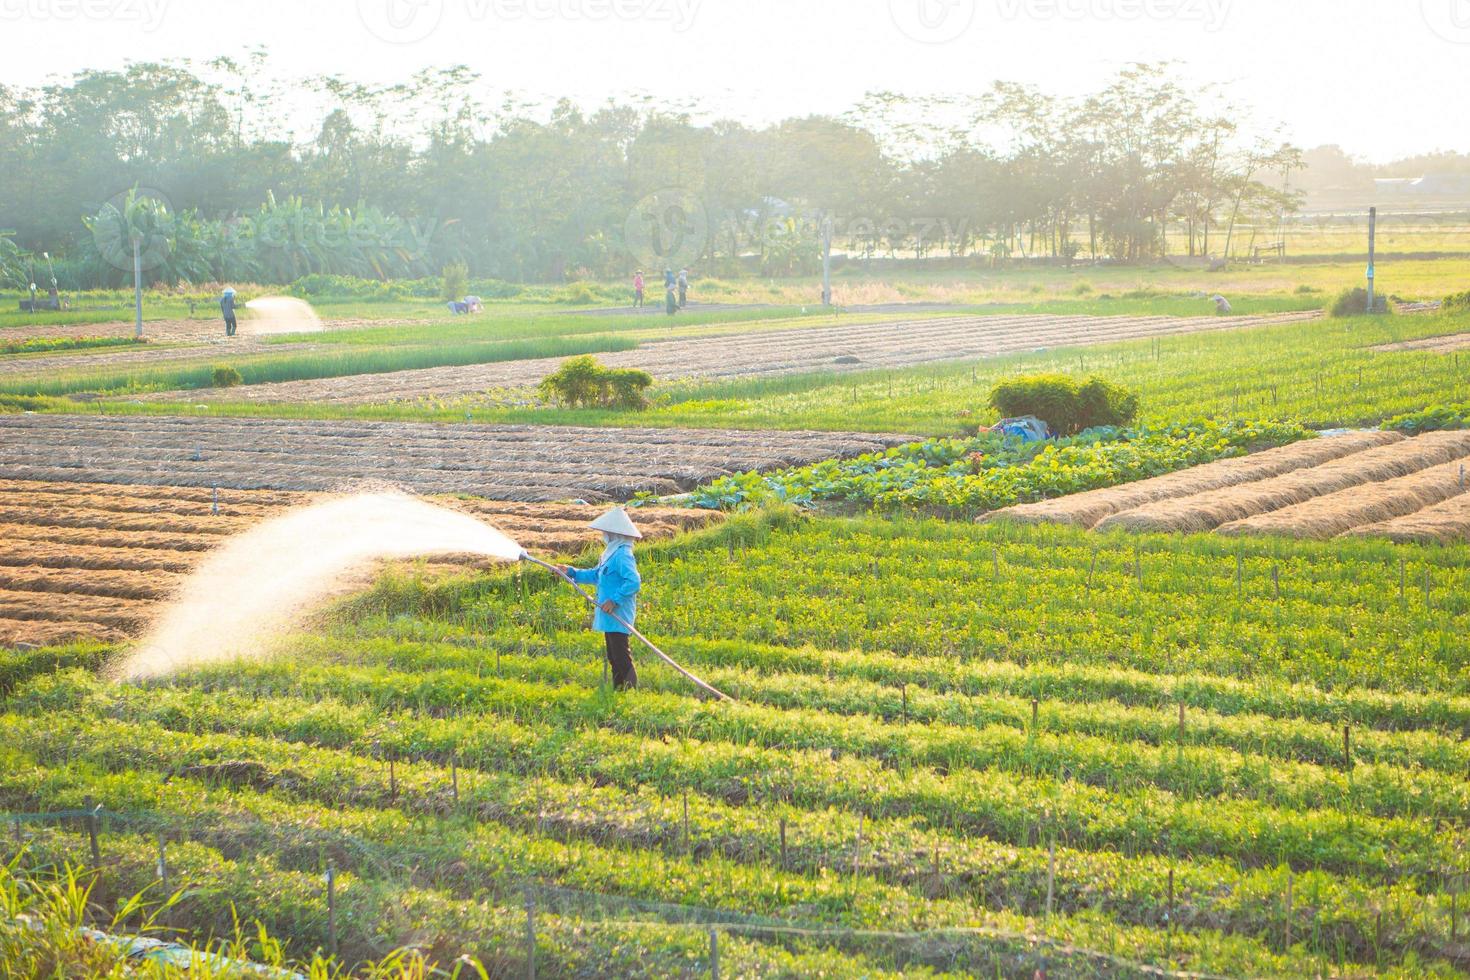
(250, 592)
(279, 314)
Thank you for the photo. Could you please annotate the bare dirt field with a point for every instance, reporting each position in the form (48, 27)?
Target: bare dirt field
(1369, 484)
(502, 462)
(858, 347)
(95, 561)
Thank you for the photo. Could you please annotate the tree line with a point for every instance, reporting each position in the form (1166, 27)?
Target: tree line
(189, 161)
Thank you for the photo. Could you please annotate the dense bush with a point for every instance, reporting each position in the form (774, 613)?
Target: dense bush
(318, 285)
(1354, 302)
(456, 281)
(1065, 404)
(225, 376)
(582, 382)
(1457, 302)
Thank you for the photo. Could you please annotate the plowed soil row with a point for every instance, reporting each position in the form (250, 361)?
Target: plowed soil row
(94, 561)
(521, 463)
(1385, 486)
(893, 344)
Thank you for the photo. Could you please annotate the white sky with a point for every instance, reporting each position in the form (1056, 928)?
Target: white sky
(1383, 78)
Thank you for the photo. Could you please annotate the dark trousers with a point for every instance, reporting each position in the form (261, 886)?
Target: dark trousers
(229, 325)
(683, 296)
(621, 661)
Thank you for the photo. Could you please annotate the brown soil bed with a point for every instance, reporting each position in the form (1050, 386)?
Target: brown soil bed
(1364, 484)
(76, 565)
(500, 462)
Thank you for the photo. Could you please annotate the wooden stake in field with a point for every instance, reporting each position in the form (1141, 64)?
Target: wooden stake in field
(783, 844)
(1290, 883)
(331, 909)
(686, 822)
(1051, 873)
(91, 820)
(530, 935)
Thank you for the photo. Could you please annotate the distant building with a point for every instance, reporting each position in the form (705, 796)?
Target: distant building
(1434, 185)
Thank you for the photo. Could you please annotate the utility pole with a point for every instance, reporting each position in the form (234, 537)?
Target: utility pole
(827, 259)
(138, 285)
(1372, 242)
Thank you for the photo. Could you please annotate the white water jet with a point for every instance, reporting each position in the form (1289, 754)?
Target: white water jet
(253, 589)
(279, 314)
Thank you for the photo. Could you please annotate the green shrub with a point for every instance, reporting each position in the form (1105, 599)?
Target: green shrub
(456, 281)
(1457, 302)
(627, 386)
(1065, 404)
(1082, 288)
(582, 382)
(1354, 302)
(579, 293)
(1306, 290)
(225, 376)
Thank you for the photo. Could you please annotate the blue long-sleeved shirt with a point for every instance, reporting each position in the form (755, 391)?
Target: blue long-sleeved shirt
(616, 578)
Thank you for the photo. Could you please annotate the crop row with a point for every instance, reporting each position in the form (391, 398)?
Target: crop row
(898, 864)
(845, 685)
(1005, 806)
(561, 701)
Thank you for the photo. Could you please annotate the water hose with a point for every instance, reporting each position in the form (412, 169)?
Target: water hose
(698, 682)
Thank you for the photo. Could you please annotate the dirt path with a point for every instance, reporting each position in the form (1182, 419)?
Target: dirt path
(501, 462)
(1434, 345)
(858, 347)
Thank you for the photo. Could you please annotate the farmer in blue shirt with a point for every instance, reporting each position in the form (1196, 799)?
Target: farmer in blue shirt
(617, 581)
(227, 307)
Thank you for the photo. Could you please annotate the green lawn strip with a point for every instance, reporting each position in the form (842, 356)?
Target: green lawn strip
(1209, 895)
(304, 365)
(1003, 805)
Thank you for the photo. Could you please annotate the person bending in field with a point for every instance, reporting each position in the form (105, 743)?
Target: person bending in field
(227, 307)
(617, 581)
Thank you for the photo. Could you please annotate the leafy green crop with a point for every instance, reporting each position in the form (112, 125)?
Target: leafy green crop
(988, 471)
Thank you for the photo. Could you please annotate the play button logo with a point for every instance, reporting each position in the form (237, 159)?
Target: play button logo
(932, 21)
(400, 21)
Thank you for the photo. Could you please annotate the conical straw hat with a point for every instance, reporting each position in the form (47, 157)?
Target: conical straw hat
(617, 521)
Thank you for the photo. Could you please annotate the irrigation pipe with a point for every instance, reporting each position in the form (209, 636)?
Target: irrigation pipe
(698, 682)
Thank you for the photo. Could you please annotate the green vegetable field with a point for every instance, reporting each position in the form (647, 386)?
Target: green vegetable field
(957, 749)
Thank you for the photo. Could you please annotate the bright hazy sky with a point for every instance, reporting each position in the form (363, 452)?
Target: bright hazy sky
(1383, 78)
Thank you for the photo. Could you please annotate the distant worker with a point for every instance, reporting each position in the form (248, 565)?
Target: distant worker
(638, 289)
(617, 580)
(670, 302)
(1222, 305)
(475, 304)
(683, 288)
(227, 307)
